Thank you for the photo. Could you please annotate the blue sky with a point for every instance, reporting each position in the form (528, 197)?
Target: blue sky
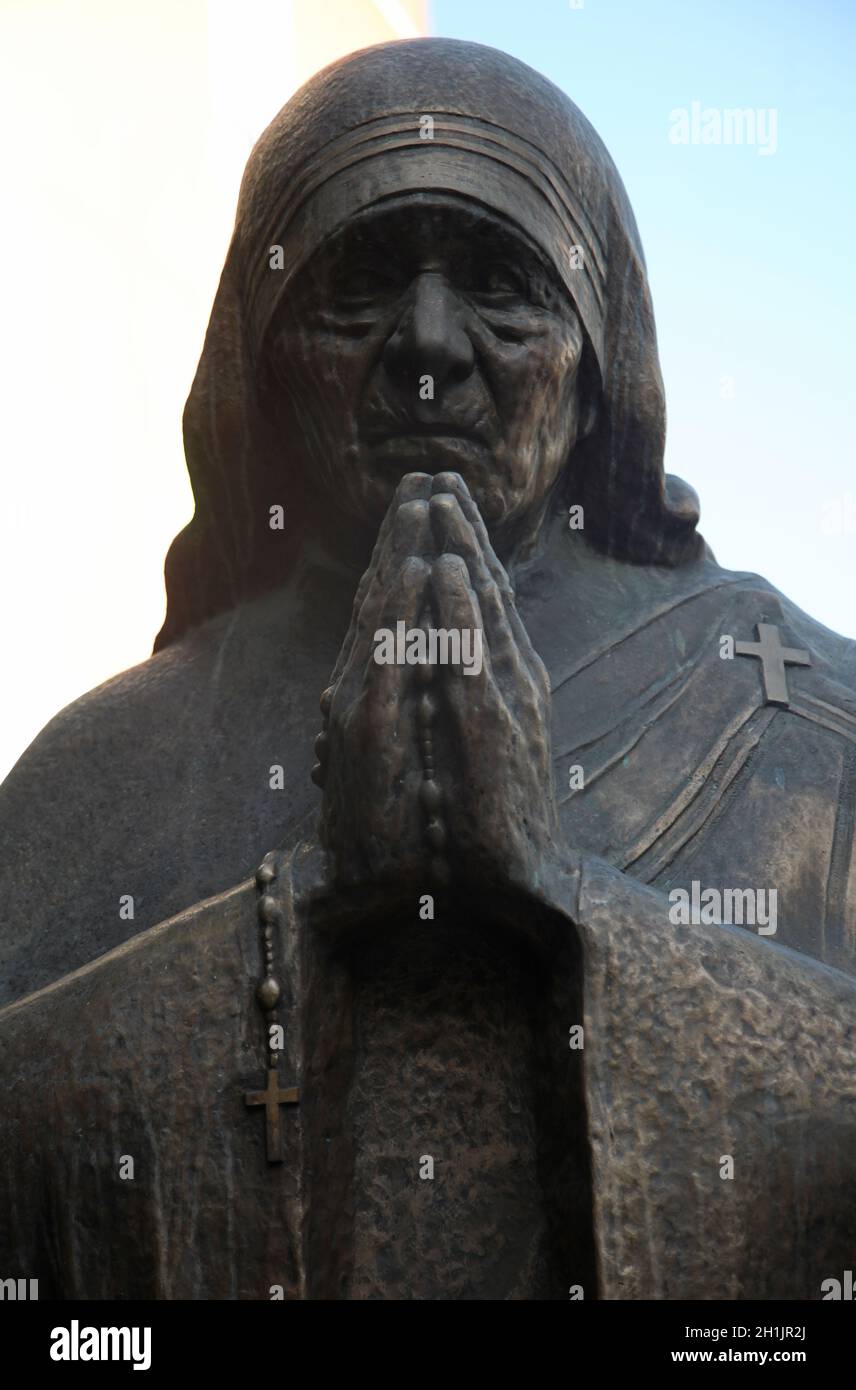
(751, 256)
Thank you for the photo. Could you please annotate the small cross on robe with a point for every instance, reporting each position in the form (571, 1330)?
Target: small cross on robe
(272, 1098)
(774, 657)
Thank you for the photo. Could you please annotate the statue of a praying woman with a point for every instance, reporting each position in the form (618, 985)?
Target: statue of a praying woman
(460, 903)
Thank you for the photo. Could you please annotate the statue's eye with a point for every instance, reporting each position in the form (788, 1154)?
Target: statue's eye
(364, 282)
(497, 280)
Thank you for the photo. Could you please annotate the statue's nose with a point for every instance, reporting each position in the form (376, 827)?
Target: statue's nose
(430, 338)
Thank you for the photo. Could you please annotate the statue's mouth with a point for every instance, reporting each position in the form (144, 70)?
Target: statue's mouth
(430, 449)
(435, 442)
(436, 430)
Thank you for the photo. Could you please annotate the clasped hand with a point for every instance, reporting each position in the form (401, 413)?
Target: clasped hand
(436, 772)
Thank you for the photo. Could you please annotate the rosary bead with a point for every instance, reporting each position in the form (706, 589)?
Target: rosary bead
(321, 743)
(430, 796)
(268, 908)
(435, 833)
(326, 700)
(265, 874)
(317, 775)
(426, 710)
(268, 993)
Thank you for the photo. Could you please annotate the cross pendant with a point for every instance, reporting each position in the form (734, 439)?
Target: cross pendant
(774, 657)
(272, 1098)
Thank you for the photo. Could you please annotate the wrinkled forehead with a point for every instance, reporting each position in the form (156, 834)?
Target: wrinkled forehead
(453, 155)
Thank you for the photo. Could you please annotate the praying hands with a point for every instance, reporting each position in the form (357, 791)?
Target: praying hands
(447, 765)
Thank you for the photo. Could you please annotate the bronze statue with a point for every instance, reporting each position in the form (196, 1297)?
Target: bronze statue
(536, 979)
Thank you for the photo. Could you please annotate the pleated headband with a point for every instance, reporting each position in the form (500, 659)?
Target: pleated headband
(389, 156)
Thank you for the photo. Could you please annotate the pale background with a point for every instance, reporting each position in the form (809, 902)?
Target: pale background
(124, 128)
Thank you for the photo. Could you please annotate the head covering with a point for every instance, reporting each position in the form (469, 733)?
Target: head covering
(358, 132)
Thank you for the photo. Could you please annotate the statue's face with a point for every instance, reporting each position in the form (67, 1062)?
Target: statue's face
(430, 335)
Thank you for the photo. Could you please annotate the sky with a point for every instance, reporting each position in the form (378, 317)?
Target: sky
(124, 128)
(750, 251)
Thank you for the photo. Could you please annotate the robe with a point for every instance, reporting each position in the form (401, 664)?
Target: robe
(698, 1145)
(703, 1046)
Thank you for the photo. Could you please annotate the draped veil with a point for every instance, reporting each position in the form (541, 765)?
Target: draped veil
(501, 134)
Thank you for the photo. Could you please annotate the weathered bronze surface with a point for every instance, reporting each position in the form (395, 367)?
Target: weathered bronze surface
(429, 402)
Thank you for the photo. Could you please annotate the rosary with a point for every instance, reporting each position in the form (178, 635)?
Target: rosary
(267, 998)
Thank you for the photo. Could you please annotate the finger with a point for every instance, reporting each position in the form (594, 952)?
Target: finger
(458, 525)
(509, 677)
(457, 608)
(377, 698)
(387, 681)
(455, 484)
(411, 488)
(505, 634)
(454, 534)
(409, 534)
